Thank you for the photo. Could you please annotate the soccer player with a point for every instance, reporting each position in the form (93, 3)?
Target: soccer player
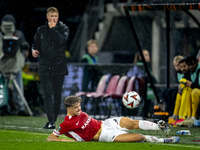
(81, 127)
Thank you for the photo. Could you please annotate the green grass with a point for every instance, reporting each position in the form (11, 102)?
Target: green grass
(27, 133)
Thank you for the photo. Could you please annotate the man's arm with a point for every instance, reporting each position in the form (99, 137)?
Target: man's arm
(62, 34)
(53, 137)
(37, 42)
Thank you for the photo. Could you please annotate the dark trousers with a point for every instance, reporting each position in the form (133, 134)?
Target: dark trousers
(52, 86)
(169, 96)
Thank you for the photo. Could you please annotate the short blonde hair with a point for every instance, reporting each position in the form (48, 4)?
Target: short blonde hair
(178, 58)
(92, 41)
(52, 9)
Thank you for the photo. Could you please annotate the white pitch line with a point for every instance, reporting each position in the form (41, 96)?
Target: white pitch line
(24, 127)
(25, 132)
(183, 145)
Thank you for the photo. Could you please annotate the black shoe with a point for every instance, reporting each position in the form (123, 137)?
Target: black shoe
(46, 125)
(49, 126)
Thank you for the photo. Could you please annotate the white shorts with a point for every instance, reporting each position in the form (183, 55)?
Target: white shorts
(111, 129)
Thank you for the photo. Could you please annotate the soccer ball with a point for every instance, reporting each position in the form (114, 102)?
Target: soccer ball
(131, 99)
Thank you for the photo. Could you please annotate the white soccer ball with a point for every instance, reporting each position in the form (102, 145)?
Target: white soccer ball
(131, 99)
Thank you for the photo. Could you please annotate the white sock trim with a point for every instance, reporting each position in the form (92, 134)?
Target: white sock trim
(153, 139)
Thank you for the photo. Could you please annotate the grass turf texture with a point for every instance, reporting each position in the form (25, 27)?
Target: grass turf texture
(27, 133)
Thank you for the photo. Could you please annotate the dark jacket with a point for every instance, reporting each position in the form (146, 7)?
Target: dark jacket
(195, 77)
(51, 43)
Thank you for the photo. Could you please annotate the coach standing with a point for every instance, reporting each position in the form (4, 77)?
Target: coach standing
(49, 46)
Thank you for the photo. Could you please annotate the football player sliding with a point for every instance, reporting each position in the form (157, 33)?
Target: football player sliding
(81, 127)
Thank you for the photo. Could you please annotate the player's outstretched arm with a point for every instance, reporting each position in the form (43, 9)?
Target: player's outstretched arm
(53, 137)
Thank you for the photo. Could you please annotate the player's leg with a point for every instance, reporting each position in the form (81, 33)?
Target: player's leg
(112, 132)
(115, 129)
(137, 124)
(154, 139)
(144, 138)
(130, 138)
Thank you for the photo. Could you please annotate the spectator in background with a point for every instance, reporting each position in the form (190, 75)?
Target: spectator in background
(49, 44)
(194, 84)
(145, 54)
(150, 94)
(169, 95)
(13, 50)
(90, 72)
(183, 104)
(90, 75)
(176, 61)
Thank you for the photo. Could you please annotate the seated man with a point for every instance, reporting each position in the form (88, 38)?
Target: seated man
(81, 127)
(170, 94)
(182, 107)
(194, 67)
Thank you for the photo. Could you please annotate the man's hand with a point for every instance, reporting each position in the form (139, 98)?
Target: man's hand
(188, 83)
(52, 23)
(35, 53)
(53, 137)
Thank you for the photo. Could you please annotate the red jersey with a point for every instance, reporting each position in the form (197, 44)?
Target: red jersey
(80, 128)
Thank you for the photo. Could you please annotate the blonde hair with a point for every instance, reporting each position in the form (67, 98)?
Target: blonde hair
(178, 58)
(91, 41)
(137, 56)
(52, 9)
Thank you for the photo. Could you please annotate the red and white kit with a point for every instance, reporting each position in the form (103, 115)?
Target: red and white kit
(80, 128)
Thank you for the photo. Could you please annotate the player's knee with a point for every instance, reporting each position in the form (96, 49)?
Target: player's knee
(129, 123)
(142, 138)
(135, 124)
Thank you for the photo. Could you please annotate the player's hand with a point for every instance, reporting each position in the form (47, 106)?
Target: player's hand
(35, 53)
(52, 22)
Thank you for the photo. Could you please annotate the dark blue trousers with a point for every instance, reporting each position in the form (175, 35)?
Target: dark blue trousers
(52, 86)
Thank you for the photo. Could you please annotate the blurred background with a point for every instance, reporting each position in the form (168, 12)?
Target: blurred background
(106, 22)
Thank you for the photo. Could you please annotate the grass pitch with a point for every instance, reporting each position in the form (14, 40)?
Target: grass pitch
(27, 133)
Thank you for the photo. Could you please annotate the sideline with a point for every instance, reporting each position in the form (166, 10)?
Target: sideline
(189, 146)
(20, 127)
(23, 132)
